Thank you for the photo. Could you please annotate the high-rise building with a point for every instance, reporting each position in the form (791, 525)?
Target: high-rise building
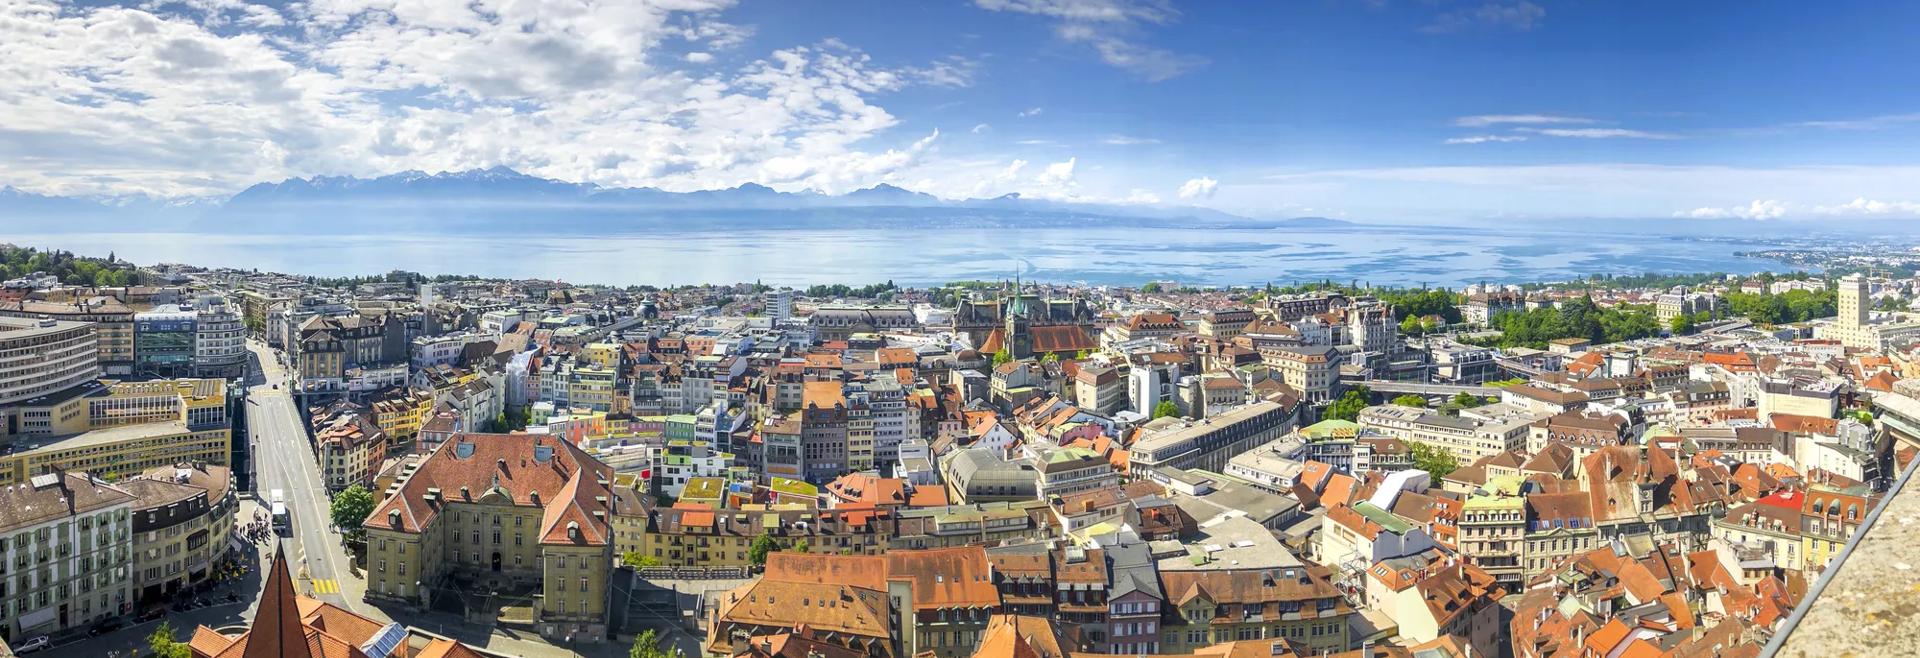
(164, 341)
(220, 341)
(39, 357)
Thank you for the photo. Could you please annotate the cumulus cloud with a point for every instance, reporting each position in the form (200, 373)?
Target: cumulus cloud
(1758, 209)
(1865, 207)
(1113, 28)
(1518, 16)
(1058, 174)
(206, 96)
(1199, 188)
(1486, 139)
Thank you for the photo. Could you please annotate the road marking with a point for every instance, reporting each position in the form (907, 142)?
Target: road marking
(326, 586)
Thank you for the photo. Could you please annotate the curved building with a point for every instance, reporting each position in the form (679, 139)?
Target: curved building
(38, 357)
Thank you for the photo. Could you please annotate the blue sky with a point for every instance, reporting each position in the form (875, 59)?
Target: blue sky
(1415, 110)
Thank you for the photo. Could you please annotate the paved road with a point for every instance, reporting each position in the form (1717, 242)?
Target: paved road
(284, 460)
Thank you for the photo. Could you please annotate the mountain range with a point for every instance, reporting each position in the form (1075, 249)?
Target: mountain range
(503, 197)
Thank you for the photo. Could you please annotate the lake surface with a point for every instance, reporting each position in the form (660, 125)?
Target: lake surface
(1097, 255)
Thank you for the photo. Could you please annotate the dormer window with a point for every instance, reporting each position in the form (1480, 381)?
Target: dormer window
(393, 518)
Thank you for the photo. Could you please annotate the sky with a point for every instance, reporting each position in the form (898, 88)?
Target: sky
(1382, 110)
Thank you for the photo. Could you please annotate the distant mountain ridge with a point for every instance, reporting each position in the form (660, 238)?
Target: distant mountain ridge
(501, 197)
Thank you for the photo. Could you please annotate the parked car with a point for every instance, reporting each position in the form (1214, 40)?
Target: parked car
(107, 625)
(150, 614)
(32, 644)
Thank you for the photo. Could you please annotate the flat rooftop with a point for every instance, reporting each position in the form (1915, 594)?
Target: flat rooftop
(99, 437)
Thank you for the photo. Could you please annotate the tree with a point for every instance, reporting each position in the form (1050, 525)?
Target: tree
(1681, 325)
(1002, 357)
(803, 546)
(1165, 409)
(1411, 401)
(1349, 405)
(1151, 287)
(762, 545)
(647, 645)
(350, 507)
(638, 561)
(1433, 459)
(162, 644)
(1467, 400)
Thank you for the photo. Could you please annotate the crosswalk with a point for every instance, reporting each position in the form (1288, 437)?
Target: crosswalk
(326, 586)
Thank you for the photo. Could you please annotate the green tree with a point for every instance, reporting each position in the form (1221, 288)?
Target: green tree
(1151, 287)
(638, 561)
(803, 546)
(1165, 409)
(647, 645)
(1681, 325)
(162, 644)
(1411, 401)
(1002, 357)
(1467, 400)
(762, 545)
(1433, 459)
(349, 508)
(1349, 405)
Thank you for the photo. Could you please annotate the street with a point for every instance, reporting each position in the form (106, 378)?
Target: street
(283, 460)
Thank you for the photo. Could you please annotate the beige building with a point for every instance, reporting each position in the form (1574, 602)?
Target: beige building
(44, 357)
(182, 525)
(1311, 370)
(1475, 433)
(121, 428)
(65, 541)
(112, 322)
(522, 514)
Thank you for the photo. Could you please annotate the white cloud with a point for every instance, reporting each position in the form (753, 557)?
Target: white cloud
(1758, 209)
(1519, 16)
(1486, 139)
(1598, 133)
(1484, 120)
(1862, 206)
(1112, 28)
(1058, 174)
(208, 96)
(1124, 140)
(1199, 188)
(1865, 123)
(1032, 112)
(1138, 196)
(980, 128)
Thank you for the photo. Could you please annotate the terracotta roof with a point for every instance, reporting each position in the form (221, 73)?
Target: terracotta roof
(524, 470)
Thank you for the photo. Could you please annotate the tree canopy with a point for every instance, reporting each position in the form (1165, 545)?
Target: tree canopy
(1433, 459)
(1578, 318)
(350, 507)
(1165, 409)
(1349, 405)
(1411, 401)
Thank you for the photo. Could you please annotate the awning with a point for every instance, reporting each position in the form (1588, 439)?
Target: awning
(236, 544)
(39, 617)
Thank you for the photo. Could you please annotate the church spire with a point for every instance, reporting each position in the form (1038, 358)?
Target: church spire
(277, 632)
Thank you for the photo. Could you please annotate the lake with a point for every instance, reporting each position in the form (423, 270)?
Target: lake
(1398, 255)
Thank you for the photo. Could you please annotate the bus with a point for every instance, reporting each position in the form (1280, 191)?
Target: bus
(278, 504)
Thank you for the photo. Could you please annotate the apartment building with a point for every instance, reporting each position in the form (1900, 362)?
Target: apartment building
(183, 519)
(1475, 433)
(1311, 369)
(1210, 443)
(124, 428)
(349, 445)
(66, 543)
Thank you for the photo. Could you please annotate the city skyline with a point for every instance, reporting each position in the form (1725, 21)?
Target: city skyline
(1447, 111)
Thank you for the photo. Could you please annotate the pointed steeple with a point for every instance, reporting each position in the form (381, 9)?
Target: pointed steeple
(277, 632)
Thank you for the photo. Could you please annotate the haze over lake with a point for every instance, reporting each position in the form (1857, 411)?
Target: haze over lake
(725, 252)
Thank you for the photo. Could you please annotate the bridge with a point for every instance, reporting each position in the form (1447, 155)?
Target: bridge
(1423, 388)
(1518, 367)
